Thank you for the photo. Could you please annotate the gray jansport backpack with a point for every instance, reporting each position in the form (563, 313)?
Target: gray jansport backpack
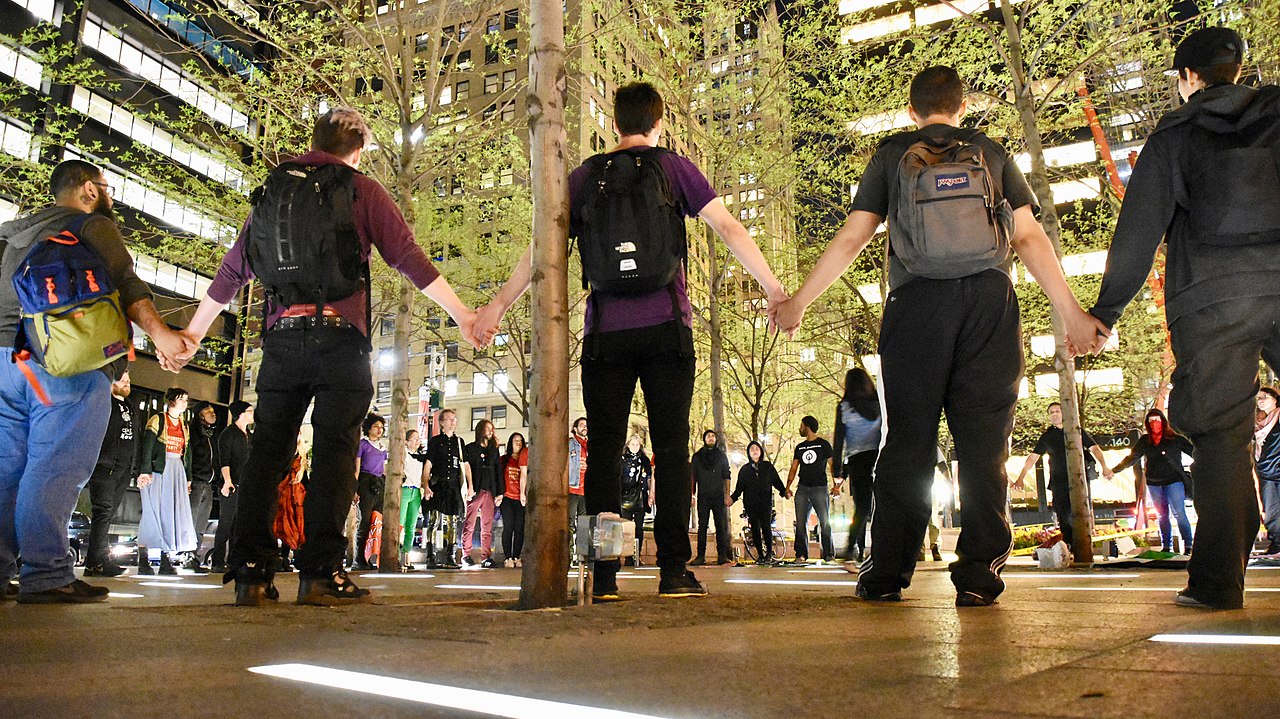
(948, 221)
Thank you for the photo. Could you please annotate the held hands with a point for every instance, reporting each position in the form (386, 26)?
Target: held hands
(1086, 334)
(174, 349)
(144, 481)
(488, 318)
(787, 316)
(497, 501)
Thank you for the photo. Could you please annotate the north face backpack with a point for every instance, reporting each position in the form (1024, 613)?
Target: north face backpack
(631, 234)
(302, 243)
(947, 221)
(72, 320)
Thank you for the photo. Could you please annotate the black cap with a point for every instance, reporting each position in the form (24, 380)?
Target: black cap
(1209, 46)
(237, 408)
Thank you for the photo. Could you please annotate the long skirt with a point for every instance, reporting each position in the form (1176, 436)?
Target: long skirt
(166, 510)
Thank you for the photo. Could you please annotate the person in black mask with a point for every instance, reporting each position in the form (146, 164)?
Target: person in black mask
(711, 483)
(756, 481)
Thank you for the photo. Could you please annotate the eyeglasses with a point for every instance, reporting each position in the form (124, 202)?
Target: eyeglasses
(110, 190)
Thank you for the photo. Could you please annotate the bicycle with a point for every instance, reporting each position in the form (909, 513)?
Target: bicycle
(780, 543)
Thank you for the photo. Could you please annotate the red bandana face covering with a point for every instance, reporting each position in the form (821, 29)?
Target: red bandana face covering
(1156, 427)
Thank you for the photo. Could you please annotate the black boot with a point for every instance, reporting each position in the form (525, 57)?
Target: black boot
(144, 562)
(431, 556)
(937, 556)
(166, 567)
(254, 587)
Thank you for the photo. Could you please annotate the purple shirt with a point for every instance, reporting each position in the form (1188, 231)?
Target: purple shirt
(372, 459)
(693, 192)
(378, 224)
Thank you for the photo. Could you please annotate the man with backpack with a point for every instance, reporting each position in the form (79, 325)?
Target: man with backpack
(308, 242)
(55, 388)
(628, 208)
(1208, 184)
(951, 337)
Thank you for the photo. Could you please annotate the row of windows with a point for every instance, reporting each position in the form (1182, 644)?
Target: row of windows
(16, 141)
(146, 133)
(159, 273)
(20, 67)
(132, 55)
(131, 190)
(42, 9)
(194, 32)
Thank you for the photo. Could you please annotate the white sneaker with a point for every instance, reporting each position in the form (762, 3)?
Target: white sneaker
(519, 563)
(509, 563)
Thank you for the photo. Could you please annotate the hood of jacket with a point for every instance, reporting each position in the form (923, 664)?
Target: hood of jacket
(22, 231)
(1226, 109)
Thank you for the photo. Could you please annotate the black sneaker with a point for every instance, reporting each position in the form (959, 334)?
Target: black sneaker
(604, 581)
(469, 563)
(8, 591)
(867, 595)
(106, 569)
(331, 590)
(698, 562)
(973, 599)
(488, 563)
(76, 592)
(144, 568)
(255, 594)
(680, 585)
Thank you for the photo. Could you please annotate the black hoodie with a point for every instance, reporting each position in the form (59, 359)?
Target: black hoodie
(1197, 275)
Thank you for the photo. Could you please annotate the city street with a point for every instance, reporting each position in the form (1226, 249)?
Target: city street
(767, 642)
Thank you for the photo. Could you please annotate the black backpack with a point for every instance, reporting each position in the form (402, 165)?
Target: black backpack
(1234, 183)
(302, 243)
(630, 228)
(948, 219)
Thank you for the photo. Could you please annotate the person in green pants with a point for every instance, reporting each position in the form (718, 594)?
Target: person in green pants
(410, 494)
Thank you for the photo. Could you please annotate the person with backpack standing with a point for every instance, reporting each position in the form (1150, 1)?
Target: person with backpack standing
(1156, 459)
(857, 444)
(1206, 184)
(1053, 442)
(52, 424)
(166, 522)
(627, 209)
(481, 491)
(951, 337)
(308, 242)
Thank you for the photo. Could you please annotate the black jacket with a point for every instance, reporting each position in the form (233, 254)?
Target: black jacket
(119, 453)
(233, 452)
(203, 452)
(1156, 209)
(756, 483)
(1269, 462)
(710, 467)
(1160, 463)
(486, 470)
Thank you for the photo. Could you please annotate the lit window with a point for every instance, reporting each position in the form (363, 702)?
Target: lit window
(42, 9)
(501, 382)
(479, 383)
(451, 386)
(808, 354)
(20, 67)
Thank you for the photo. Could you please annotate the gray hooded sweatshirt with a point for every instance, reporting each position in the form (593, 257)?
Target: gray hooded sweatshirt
(1155, 210)
(101, 233)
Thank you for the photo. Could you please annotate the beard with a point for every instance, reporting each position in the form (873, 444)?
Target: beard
(106, 208)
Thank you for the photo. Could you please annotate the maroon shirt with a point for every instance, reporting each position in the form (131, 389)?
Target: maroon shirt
(629, 312)
(378, 224)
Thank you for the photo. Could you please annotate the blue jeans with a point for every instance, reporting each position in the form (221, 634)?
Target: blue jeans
(1271, 510)
(46, 457)
(817, 500)
(1171, 497)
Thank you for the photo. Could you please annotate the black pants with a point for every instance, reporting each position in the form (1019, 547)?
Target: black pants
(661, 359)
(714, 505)
(201, 497)
(331, 366)
(512, 527)
(369, 488)
(1216, 380)
(106, 492)
(952, 345)
(1062, 510)
(760, 520)
(858, 472)
(226, 525)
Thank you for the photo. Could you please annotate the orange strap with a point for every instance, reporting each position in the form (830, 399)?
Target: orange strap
(32, 380)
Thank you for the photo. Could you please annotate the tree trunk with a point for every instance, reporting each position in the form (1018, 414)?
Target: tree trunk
(717, 340)
(543, 582)
(1081, 505)
(397, 425)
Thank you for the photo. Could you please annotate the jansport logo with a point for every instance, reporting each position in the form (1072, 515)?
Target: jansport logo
(958, 181)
